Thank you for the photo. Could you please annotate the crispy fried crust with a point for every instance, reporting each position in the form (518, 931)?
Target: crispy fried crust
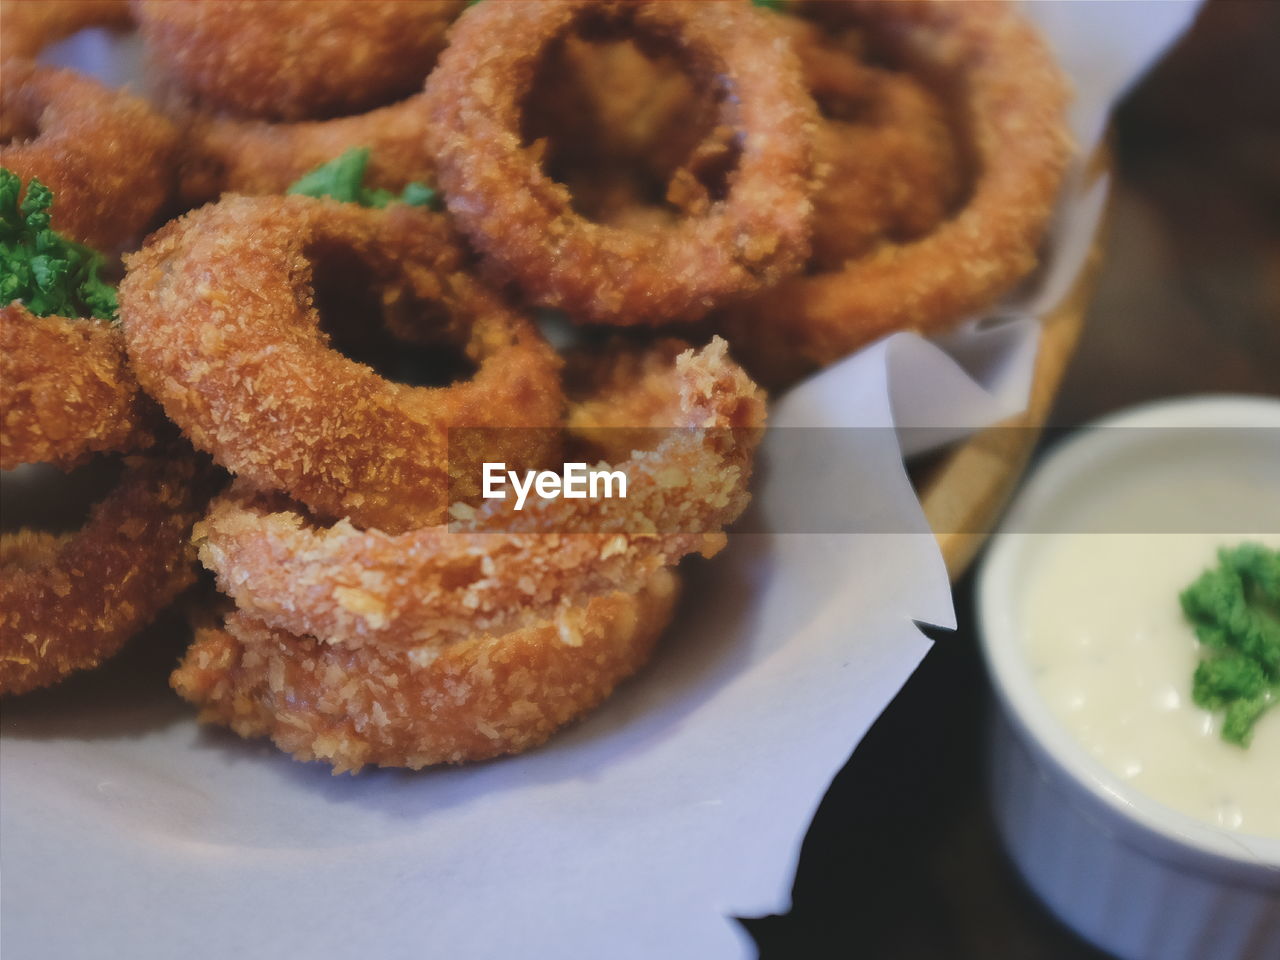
(66, 391)
(524, 221)
(107, 156)
(479, 698)
(69, 602)
(223, 153)
(296, 59)
(433, 586)
(221, 329)
(1009, 98)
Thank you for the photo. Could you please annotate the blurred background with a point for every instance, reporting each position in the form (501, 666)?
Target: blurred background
(1189, 297)
(902, 860)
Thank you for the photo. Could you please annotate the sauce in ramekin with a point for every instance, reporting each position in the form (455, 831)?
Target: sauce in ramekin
(1113, 657)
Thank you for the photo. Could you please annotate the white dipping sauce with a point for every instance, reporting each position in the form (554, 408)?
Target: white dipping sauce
(1113, 657)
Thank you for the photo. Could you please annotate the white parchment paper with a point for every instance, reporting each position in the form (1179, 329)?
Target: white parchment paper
(127, 831)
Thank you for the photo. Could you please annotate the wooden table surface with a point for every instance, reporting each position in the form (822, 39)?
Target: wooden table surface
(902, 860)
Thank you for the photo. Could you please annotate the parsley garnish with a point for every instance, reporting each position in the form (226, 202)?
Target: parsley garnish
(343, 179)
(51, 275)
(1235, 608)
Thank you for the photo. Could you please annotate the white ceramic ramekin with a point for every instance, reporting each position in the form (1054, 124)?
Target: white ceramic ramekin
(1132, 876)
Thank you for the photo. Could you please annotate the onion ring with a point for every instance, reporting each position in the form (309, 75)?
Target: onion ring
(247, 373)
(435, 585)
(296, 59)
(524, 222)
(477, 699)
(69, 602)
(106, 155)
(1012, 98)
(66, 391)
(31, 25)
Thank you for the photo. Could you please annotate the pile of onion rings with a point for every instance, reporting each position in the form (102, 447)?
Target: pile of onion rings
(780, 186)
(480, 639)
(503, 568)
(1011, 99)
(67, 392)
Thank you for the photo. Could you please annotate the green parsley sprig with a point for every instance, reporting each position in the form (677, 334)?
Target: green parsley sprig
(1235, 609)
(51, 275)
(343, 179)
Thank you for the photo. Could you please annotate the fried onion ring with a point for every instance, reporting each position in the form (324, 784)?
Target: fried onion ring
(66, 391)
(479, 698)
(107, 156)
(69, 602)
(222, 329)
(1009, 98)
(28, 26)
(433, 586)
(524, 222)
(296, 59)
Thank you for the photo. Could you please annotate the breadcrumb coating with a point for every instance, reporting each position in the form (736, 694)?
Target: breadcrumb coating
(479, 698)
(228, 154)
(108, 157)
(66, 391)
(524, 222)
(296, 59)
(1009, 101)
(222, 329)
(429, 587)
(68, 602)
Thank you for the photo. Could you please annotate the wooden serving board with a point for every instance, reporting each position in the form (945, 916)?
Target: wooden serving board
(965, 492)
